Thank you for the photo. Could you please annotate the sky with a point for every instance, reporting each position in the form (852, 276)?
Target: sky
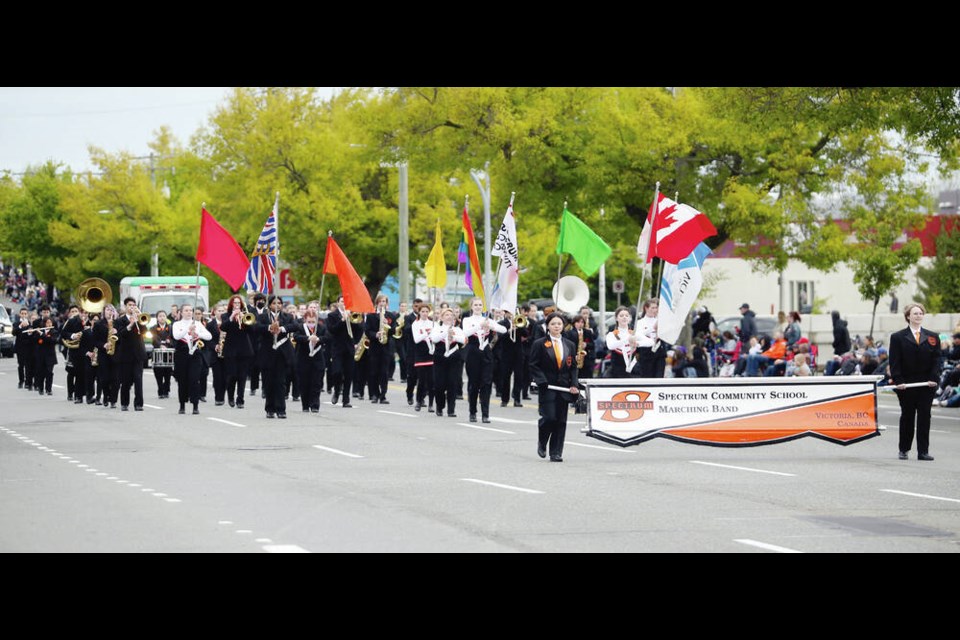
(59, 123)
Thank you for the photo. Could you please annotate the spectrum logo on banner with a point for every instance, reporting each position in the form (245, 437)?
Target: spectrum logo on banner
(732, 412)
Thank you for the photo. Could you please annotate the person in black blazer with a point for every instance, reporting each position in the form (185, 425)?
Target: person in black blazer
(72, 330)
(915, 357)
(552, 362)
(237, 349)
(310, 336)
(130, 355)
(343, 338)
(275, 328)
(162, 339)
(46, 351)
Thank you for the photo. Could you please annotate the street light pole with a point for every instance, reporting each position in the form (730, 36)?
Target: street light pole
(485, 195)
(404, 236)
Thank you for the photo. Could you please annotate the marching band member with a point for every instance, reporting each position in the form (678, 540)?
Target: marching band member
(511, 361)
(552, 363)
(46, 337)
(622, 344)
(497, 350)
(293, 379)
(651, 356)
(378, 329)
(343, 343)
(212, 356)
(408, 358)
(276, 353)
(534, 332)
(70, 334)
(478, 330)
(237, 349)
(447, 339)
(91, 352)
(423, 350)
(162, 339)
(581, 333)
(457, 359)
(108, 373)
(257, 306)
(26, 348)
(188, 357)
(400, 345)
(310, 363)
(130, 355)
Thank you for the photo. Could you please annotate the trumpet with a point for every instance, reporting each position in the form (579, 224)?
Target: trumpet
(356, 317)
(362, 347)
(398, 332)
(143, 319)
(249, 319)
(520, 321)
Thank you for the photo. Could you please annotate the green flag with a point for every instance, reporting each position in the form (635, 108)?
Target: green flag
(579, 240)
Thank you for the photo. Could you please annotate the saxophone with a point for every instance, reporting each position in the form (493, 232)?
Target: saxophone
(223, 338)
(111, 339)
(384, 333)
(361, 348)
(581, 351)
(398, 333)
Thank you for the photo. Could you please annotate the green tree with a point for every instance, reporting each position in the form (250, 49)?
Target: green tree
(938, 281)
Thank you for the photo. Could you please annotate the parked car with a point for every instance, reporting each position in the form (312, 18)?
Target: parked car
(766, 325)
(6, 333)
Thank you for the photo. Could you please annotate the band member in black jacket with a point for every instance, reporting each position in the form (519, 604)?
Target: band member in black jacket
(344, 336)
(46, 350)
(408, 357)
(534, 332)
(70, 334)
(212, 355)
(915, 357)
(276, 354)
(310, 361)
(107, 369)
(379, 330)
(552, 363)
(26, 348)
(237, 349)
(162, 339)
(511, 361)
(581, 332)
(131, 355)
(91, 360)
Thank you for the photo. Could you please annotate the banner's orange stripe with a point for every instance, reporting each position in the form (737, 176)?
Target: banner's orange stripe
(858, 419)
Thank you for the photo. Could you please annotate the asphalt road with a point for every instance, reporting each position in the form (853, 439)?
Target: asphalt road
(384, 478)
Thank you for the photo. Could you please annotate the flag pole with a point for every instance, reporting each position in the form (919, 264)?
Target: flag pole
(276, 227)
(196, 295)
(653, 237)
(559, 256)
(323, 276)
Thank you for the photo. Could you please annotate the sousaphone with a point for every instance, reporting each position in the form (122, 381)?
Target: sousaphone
(571, 293)
(93, 294)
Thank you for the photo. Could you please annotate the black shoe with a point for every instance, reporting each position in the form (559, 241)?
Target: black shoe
(516, 403)
(231, 403)
(182, 411)
(269, 415)
(556, 459)
(504, 404)
(113, 405)
(202, 399)
(418, 406)
(124, 408)
(473, 417)
(20, 386)
(459, 396)
(218, 403)
(384, 401)
(28, 387)
(314, 410)
(924, 456)
(282, 416)
(347, 405)
(451, 415)
(263, 394)
(335, 399)
(306, 410)
(49, 393)
(97, 402)
(89, 400)
(440, 412)
(410, 400)
(903, 455)
(541, 450)
(485, 420)
(138, 408)
(526, 397)
(196, 411)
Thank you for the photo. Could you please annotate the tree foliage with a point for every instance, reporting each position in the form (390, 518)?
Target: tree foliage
(938, 281)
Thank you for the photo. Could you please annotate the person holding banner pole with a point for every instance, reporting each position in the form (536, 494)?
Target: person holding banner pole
(651, 356)
(914, 360)
(554, 371)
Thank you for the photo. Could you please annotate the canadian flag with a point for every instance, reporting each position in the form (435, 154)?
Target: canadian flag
(672, 231)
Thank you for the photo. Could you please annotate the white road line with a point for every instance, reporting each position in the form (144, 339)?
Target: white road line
(593, 446)
(284, 548)
(56, 386)
(397, 413)
(244, 531)
(512, 421)
(730, 466)
(920, 495)
(232, 424)
(264, 540)
(764, 545)
(337, 451)
(501, 486)
(172, 499)
(474, 426)
(153, 406)
(224, 521)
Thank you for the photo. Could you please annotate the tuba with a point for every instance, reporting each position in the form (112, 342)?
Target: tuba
(94, 294)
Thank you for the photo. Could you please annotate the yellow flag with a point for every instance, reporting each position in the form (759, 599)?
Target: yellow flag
(436, 268)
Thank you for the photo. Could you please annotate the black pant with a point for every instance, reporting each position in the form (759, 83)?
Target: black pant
(422, 377)
(219, 379)
(131, 373)
(479, 365)
(162, 375)
(444, 384)
(377, 370)
(109, 377)
(25, 368)
(43, 376)
(275, 384)
(342, 375)
(91, 380)
(310, 372)
(236, 369)
(188, 371)
(552, 427)
(915, 409)
(511, 364)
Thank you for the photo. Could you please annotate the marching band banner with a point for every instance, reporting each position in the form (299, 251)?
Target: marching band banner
(732, 412)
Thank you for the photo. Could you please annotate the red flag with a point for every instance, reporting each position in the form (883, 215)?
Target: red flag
(355, 295)
(219, 251)
(677, 230)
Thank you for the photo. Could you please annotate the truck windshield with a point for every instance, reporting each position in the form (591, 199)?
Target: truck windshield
(162, 302)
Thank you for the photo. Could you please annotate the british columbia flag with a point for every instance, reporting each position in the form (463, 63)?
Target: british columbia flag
(263, 260)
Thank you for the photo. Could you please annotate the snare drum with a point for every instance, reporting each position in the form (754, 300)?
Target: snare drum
(163, 358)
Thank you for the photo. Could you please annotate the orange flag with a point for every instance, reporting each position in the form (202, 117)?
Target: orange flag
(355, 294)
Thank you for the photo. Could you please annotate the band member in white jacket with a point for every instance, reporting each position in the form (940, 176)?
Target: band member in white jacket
(478, 330)
(188, 356)
(622, 344)
(448, 339)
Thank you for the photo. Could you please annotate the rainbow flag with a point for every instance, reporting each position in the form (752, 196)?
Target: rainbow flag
(467, 253)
